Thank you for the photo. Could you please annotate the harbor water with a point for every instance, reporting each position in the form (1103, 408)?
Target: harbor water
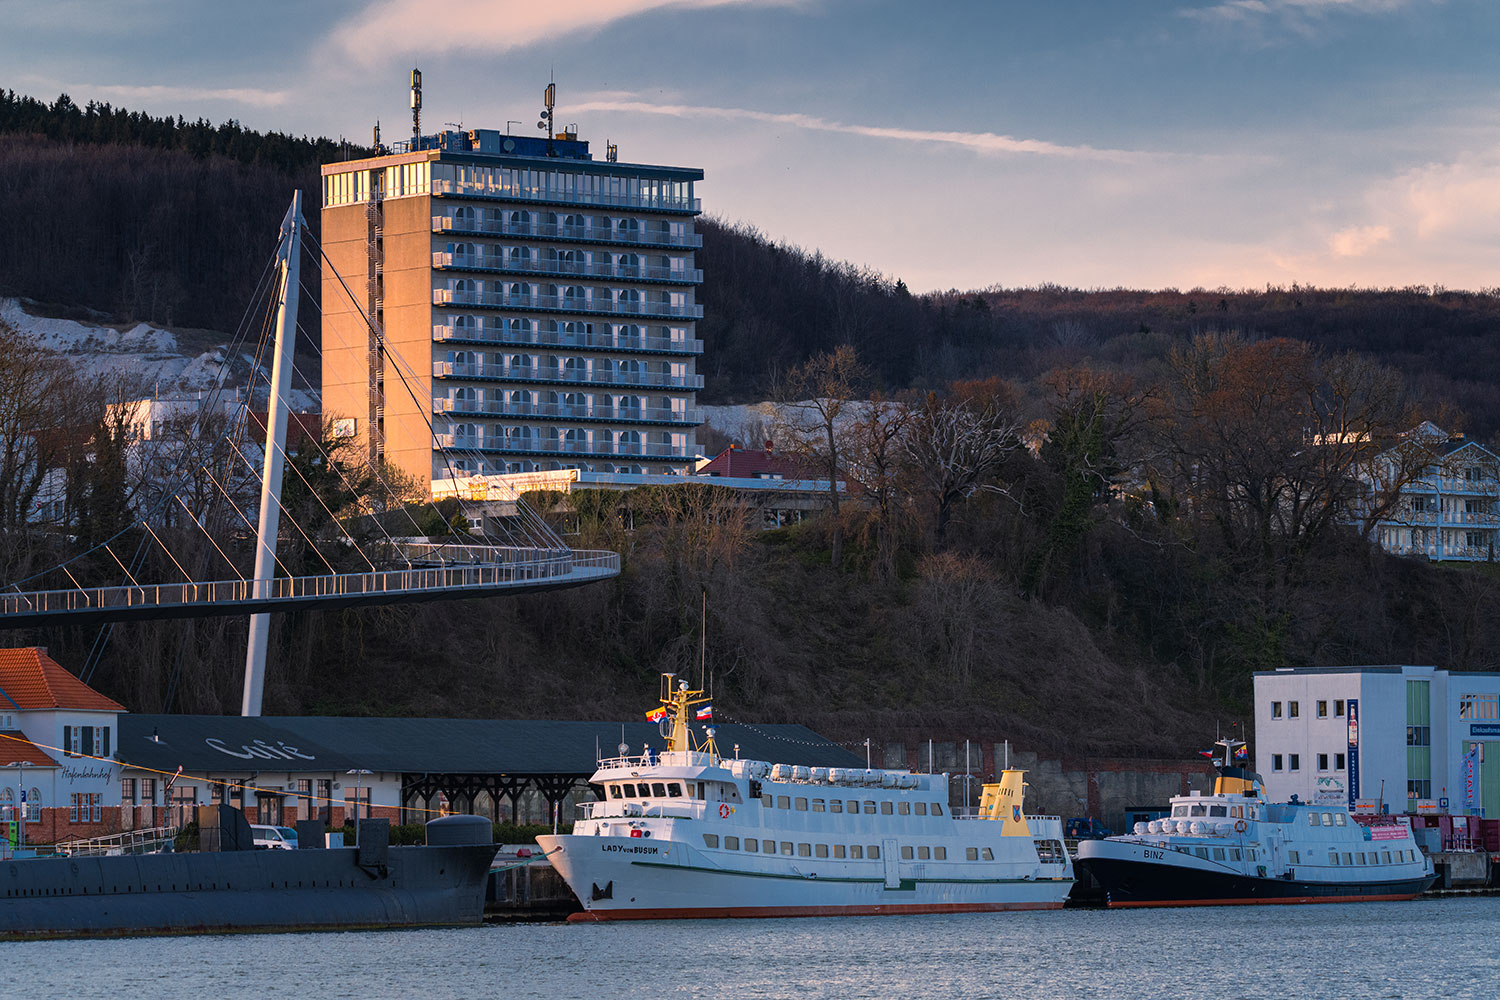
(1427, 948)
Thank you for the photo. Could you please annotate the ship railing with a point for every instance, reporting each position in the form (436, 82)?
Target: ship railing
(674, 809)
(676, 758)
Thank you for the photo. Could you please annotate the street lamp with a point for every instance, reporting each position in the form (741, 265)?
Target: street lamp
(359, 776)
(20, 766)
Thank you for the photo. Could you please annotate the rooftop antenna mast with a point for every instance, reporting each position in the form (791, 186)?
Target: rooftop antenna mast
(416, 109)
(549, 98)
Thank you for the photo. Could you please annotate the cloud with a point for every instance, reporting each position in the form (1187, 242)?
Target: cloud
(1457, 199)
(980, 142)
(1298, 15)
(1356, 241)
(409, 27)
(237, 95)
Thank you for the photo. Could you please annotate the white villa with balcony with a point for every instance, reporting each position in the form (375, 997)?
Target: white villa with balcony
(1452, 511)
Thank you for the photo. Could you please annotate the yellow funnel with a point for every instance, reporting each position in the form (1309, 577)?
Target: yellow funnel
(1004, 802)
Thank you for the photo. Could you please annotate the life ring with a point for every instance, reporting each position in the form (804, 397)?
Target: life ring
(1240, 826)
(724, 810)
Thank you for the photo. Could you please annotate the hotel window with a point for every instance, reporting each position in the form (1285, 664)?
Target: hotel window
(1292, 710)
(1338, 762)
(1294, 762)
(1322, 762)
(1275, 709)
(1276, 762)
(1322, 709)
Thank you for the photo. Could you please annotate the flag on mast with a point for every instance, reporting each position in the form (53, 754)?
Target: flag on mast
(705, 713)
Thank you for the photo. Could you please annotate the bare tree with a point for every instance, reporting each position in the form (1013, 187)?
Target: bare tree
(956, 442)
(874, 469)
(817, 396)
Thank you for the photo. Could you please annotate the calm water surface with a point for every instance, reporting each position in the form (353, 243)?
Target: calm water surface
(1437, 948)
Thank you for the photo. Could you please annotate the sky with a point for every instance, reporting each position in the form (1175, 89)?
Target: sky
(1085, 143)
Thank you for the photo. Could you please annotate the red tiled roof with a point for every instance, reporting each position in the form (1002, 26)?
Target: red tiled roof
(29, 678)
(745, 463)
(14, 746)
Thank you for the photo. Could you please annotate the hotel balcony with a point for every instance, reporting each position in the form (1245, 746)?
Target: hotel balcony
(501, 264)
(565, 304)
(584, 449)
(565, 411)
(464, 189)
(557, 338)
(587, 233)
(564, 376)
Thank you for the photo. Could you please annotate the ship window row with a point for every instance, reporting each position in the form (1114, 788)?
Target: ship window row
(1351, 858)
(793, 849)
(801, 804)
(1234, 812)
(648, 790)
(1226, 854)
(1327, 819)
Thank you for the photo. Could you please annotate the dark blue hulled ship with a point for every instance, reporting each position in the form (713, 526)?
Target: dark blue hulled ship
(1234, 847)
(236, 888)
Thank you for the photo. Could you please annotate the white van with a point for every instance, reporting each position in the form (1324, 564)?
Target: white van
(276, 838)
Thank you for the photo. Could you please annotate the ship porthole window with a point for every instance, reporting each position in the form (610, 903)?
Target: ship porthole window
(731, 843)
(710, 840)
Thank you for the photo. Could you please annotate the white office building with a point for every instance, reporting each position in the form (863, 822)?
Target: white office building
(1417, 739)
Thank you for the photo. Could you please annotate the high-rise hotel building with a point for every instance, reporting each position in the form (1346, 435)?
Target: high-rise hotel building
(538, 307)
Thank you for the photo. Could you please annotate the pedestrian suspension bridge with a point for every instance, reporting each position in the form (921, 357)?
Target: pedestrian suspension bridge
(209, 496)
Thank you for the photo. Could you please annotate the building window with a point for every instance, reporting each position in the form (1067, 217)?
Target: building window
(1275, 709)
(127, 791)
(1322, 709)
(1419, 788)
(1418, 736)
(1338, 708)
(1291, 710)
(1338, 762)
(1322, 762)
(357, 802)
(1276, 762)
(1294, 762)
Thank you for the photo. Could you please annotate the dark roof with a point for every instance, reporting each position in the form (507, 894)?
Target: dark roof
(747, 463)
(441, 746)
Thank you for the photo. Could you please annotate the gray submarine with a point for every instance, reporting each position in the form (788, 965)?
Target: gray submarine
(230, 887)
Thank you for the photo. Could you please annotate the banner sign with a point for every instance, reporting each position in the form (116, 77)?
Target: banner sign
(1353, 752)
(1484, 729)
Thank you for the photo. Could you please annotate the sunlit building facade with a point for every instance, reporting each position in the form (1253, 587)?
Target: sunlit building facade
(538, 308)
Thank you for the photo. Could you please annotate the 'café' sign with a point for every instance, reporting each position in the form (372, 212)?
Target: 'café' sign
(260, 750)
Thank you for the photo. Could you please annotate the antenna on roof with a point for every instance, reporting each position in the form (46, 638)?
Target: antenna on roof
(611, 151)
(416, 108)
(549, 99)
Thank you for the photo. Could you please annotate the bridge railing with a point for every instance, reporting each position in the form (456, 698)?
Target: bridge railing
(475, 567)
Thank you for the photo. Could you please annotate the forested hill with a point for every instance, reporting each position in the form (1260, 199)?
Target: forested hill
(167, 220)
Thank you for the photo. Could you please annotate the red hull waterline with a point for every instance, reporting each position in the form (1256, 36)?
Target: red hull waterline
(1395, 897)
(753, 912)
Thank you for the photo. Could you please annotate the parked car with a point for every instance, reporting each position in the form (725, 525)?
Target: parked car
(275, 838)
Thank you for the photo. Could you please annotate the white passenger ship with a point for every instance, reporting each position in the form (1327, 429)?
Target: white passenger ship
(691, 834)
(1234, 847)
